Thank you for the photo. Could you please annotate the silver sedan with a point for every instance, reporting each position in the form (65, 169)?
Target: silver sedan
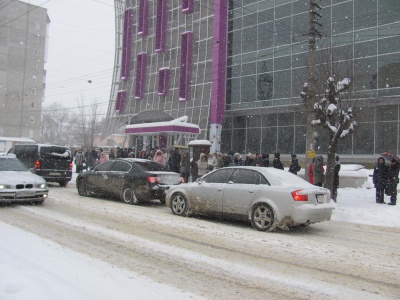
(268, 197)
(18, 184)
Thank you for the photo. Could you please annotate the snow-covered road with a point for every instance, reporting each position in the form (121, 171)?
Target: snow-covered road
(219, 259)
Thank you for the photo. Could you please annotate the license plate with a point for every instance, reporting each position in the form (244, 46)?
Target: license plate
(25, 194)
(54, 173)
(320, 198)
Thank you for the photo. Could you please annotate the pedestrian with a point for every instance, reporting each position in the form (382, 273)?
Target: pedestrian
(212, 162)
(276, 163)
(185, 166)
(94, 156)
(220, 161)
(249, 159)
(120, 152)
(237, 159)
(228, 160)
(310, 172)
(393, 180)
(336, 178)
(131, 153)
(265, 158)
(159, 157)
(102, 157)
(202, 164)
(175, 161)
(79, 159)
(379, 179)
(258, 161)
(294, 165)
(111, 155)
(318, 171)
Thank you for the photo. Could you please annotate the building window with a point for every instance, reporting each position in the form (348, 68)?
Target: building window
(140, 75)
(32, 119)
(185, 65)
(161, 24)
(187, 6)
(163, 80)
(119, 105)
(126, 45)
(33, 105)
(33, 91)
(143, 16)
(33, 78)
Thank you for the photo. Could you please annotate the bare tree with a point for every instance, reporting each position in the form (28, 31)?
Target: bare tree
(86, 124)
(55, 119)
(337, 117)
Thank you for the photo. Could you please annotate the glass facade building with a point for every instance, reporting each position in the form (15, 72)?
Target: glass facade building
(236, 69)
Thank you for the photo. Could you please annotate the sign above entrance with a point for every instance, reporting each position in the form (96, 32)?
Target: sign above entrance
(178, 126)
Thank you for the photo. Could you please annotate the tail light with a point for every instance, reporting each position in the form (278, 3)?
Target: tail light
(70, 166)
(153, 179)
(36, 166)
(298, 196)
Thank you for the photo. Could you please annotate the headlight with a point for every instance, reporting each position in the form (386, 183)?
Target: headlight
(42, 186)
(5, 186)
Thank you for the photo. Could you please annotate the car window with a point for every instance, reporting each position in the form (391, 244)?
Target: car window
(11, 164)
(106, 166)
(26, 151)
(55, 153)
(243, 176)
(121, 166)
(150, 166)
(219, 176)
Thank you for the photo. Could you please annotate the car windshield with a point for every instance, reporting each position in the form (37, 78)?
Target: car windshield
(284, 178)
(11, 164)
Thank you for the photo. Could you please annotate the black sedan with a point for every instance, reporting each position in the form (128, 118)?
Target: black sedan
(131, 180)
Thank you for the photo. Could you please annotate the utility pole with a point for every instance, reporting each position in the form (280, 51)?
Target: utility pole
(310, 88)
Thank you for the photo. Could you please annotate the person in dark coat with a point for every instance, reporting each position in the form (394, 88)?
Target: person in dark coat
(248, 160)
(276, 163)
(237, 159)
(294, 165)
(392, 181)
(336, 178)
(258, 161)
(175, 161)
(265, 160)
(379, 179)
(318, 171)
(185, 166)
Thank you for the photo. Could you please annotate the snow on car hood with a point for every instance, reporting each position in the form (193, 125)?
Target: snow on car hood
(13, 177)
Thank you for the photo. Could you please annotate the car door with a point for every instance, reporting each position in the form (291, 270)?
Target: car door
(117, 177)
(207, 196)
(97, 178)
(240, 190)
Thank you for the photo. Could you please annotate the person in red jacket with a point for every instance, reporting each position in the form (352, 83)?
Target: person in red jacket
(310, 172)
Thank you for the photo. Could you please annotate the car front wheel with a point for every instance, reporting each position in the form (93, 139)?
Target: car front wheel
(179, 205)
(128, 196)
(262, 217)
(82, 188)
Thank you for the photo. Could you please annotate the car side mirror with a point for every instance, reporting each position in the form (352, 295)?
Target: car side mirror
(230, 182)
(199, 180)
(32, 170)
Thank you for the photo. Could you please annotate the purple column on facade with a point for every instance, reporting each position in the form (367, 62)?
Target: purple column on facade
(120, 103)
(143, 17)
(161, 26)
(126, 44)
(218, 90)
(163, 81)
(185, 65)
(187, 6)
(140, 75)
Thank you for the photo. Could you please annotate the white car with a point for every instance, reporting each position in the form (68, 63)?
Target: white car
(18, 184)
(268, 197)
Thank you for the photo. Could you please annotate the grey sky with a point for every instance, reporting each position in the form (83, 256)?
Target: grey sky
(81, 48)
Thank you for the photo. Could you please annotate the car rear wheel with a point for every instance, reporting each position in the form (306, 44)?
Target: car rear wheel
(128, 196)
(179, 205)
(262, 217)
(82, 188)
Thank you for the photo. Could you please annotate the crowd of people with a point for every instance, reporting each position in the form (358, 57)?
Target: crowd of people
(385, 177)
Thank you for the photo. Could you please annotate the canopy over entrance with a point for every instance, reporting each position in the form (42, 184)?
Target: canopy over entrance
(179, 125)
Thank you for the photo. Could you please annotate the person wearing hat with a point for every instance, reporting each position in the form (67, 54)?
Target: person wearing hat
(276, 163)
(294, 165)
(318, 171)
(393, 180)
(79, 161)
(379, 178)
(185, 166)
